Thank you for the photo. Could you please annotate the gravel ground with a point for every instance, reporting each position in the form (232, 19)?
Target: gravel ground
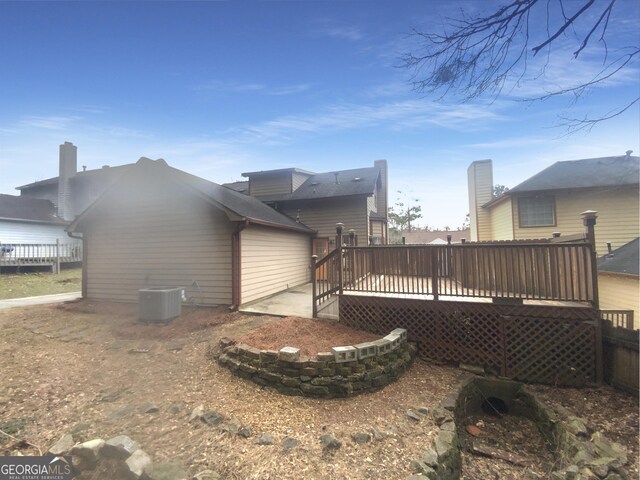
(87, 368)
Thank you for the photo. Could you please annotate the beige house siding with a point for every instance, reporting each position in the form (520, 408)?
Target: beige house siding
(480, 183)
(323, 214)
(502, 221)
(266, 185)
(161, 238)
(620, 292)
(271, 261)
(618, 216)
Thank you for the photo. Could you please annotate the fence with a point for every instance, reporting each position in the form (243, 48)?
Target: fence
(39, 254)
(501, 271)
(620, 350)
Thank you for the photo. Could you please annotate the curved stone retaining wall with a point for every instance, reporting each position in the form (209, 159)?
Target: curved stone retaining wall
(345, 371)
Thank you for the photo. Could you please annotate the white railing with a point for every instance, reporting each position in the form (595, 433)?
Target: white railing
(25, 254)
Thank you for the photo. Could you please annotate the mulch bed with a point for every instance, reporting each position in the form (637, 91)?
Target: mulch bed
(310, 336)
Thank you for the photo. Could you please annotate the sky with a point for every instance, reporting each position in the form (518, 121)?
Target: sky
(221, 88)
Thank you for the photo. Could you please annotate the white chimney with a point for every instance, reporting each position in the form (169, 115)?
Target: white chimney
(480, 184)
(68, 168)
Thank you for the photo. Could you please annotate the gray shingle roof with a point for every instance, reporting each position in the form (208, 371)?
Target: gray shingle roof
(29, 209)
(357, 181)
(591, 172)
(242, 205)
(108, 173)
(622, 260)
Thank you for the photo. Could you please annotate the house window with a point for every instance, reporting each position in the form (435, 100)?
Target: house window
(537, 211)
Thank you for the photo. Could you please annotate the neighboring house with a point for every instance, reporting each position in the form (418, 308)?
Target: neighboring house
(71, 192)
(618, 280)
(356, 198)
(29, 221)
(552, 201)
(435, 237)
(159, 226)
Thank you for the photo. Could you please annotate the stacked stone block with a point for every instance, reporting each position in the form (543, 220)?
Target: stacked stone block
(345, 371)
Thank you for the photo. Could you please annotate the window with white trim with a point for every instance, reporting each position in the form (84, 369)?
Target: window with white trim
(537, 211)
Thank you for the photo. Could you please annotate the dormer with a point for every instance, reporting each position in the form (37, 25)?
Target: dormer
(269, 184)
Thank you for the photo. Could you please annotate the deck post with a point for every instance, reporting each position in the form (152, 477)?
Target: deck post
(314, 307)
(434, 272)
(589, 220)
(57, 266)
(340, 259)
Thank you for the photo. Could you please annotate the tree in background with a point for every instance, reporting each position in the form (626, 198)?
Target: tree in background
(403, 213)
(473, 56)
(499, 190)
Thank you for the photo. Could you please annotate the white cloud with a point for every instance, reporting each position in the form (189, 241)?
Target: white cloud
(259, 88)
(48, 122)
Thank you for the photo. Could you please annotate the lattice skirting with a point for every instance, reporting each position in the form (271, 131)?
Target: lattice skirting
(541, 344)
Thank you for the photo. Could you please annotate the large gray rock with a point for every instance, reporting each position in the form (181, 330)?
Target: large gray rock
(265, 439)
(138, 463)
(197, 413)
(63, 445)
(88, 453)
(212, 418)
(120, 447)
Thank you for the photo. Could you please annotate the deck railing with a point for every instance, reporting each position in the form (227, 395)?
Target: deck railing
(34, 254)
(619, 318)
(501, 271)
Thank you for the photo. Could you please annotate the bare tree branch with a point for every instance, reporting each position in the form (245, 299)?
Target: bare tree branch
(473, 56)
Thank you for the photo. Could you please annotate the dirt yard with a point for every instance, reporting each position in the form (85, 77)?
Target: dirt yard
(89, 369)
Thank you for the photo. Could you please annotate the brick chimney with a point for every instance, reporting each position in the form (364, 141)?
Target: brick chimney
(480, 184)
(68, 168)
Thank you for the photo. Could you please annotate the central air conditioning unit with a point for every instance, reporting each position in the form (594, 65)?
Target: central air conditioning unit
(159, 304)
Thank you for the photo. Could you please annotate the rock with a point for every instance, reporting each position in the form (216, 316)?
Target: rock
(245, 432)
(413, 416)
(476, 369)
(120, 447)
(175, 408)
(571, 472)
(87, 454)
(138, 463)
(361, 438)
(289, 354)
(151, 408)
(212, 418)
(196, 413)
(423, 410)
(473, 430)
(231, 426)
(63, 445)
(430, 457)
(577, 426)
(289, 443)
(616, 476)
(207, 475)
(377, 435)
(329, 442)
(449, 402)
(167, 471)
(607, 448)
(424, 470)
(265, 439)
(441, 415)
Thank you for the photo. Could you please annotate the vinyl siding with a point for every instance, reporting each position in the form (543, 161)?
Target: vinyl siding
(323, 214)
(271, 261)
(502, 221)
(266, 185)
(480, 182)
(620, 292)
(27, 232)
(618, 216)
(377, 229)
(158, 238)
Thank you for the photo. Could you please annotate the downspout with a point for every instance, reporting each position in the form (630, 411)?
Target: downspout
(84, 261)
(236, 264)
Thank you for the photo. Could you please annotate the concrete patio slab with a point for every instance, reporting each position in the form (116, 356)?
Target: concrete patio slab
(295, 302)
